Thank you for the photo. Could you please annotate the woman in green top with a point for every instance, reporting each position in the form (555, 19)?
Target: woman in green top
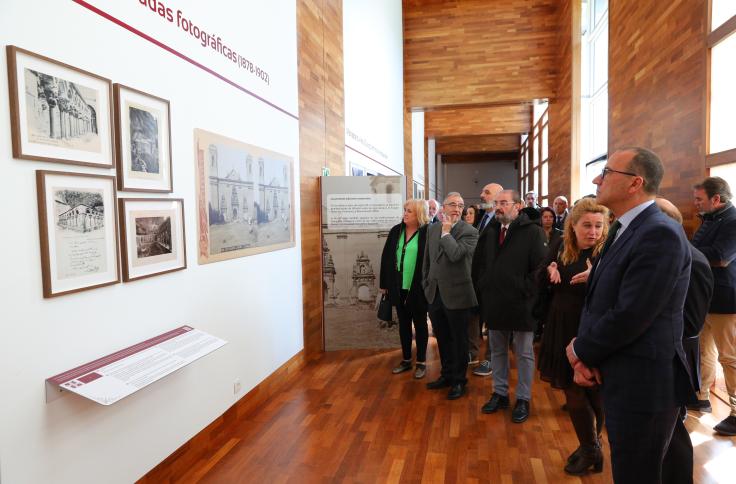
(401, 279)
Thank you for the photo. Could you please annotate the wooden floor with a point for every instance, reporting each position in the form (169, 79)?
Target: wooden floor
(346, 418)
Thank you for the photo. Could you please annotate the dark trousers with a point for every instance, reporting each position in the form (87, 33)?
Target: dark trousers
(406, 316)
(451, 330)
(677, 467)
(639, 441)
(585, 406)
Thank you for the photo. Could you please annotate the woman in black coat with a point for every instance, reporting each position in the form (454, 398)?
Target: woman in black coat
(552, 234)
(401, 279)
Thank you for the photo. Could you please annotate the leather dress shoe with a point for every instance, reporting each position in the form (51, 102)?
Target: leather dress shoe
(700, 406)
(438, 383)
(456, 391)
(495, 403)
(727, 426)
(521, 411)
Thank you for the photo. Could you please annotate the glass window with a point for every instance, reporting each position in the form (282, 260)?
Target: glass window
(723, 95)
(727, 172)
(722, 10)
(599, 9)
(545, 142)
(535, 154)
(600, 61)
(545, 180)
(599, 128)
(535, 183)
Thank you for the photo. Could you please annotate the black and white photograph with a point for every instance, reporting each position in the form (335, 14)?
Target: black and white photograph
(152, 236)
(78, 231)
(59, 113)
(143, 141)
(245, 197)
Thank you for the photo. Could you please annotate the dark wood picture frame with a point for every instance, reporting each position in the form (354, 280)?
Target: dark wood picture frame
(180, 234)
(123, 141)
(73, 118)
(49, 260)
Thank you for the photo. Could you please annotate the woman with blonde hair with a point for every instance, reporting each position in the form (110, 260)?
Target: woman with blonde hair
(565, 273)
(401, 279)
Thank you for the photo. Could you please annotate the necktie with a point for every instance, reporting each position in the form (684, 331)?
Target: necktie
(484, 221)
(611, 237)
(502, 236)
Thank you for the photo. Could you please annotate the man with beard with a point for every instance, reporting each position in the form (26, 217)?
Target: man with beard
(504, 267)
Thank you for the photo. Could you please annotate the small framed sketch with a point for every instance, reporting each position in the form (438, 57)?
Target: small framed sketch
(143, 141)
(152, 236)
(59, 113)
(78, 231)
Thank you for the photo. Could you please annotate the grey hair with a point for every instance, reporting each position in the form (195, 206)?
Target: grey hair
(451, 194)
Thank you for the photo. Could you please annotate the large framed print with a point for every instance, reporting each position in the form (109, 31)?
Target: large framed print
(152, 238)
(142, 141)
(59, 113)
(78, 231)
(245, 198)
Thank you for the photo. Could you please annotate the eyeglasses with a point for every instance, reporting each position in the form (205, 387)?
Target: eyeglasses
(503, 203)
(455, 205)
(605, 171)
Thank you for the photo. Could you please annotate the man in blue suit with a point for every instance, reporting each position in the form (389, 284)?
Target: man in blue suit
(630, 335)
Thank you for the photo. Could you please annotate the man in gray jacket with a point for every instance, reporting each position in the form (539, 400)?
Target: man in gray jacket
(449, 290)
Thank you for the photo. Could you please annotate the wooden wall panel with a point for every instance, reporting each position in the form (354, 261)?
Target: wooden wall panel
(467, 52)
(470, 121)
(560, 108)
(475, 144)
(321, 141)
(657, 76)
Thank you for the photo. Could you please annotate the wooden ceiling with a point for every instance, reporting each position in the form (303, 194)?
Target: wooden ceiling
(475, 67)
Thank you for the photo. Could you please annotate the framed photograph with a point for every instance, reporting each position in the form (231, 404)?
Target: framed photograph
(152, 236)
(245, 198)
(59, 113)
(78, 231)
(142, 141)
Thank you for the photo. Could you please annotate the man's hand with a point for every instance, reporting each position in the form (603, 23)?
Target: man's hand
(582, 277)
(447, 223)
(570, 352)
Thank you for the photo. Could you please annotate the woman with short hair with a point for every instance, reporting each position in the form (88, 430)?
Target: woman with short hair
(401, 279)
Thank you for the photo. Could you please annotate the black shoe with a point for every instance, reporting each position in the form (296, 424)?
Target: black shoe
(700, 406)
(496, 402)
(456, 391)
(588, 459)
(521, 411)
(727, 426)
(405, 365)
(438, 383)
(574, 456)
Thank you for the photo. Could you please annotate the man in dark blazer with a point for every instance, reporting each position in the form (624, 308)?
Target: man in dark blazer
(716, 238)
(560, 207)
(449, 292)
(503, 274)
(677, 467)
(630, 335)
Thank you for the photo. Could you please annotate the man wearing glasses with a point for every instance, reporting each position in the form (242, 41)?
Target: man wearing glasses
(449, 291)
(503, 274)
(629, 339)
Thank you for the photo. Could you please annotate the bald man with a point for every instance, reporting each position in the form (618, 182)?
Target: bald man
(487, 196)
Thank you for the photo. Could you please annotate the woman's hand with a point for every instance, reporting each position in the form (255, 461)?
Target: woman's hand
(582, 277)
(554, 274)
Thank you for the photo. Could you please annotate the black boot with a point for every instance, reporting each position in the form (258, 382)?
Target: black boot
(590, 458)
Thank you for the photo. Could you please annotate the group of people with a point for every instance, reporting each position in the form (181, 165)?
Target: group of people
(633, 313)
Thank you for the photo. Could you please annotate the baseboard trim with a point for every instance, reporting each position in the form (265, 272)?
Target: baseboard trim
(190, 461)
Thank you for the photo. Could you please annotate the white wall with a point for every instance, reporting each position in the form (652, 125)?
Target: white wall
(72, 440)
(373, 61)
(470, 178)
(417, 146)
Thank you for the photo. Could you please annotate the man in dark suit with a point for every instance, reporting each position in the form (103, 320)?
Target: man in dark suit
(677, 467)
(449, 292)
(560, 207)
(630, 335)
(716, 238)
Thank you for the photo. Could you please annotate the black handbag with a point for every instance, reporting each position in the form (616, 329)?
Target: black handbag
(384, 309)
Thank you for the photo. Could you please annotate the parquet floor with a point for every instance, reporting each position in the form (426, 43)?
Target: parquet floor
(346, 418)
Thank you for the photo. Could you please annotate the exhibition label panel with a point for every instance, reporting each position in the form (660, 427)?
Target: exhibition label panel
(113, 377)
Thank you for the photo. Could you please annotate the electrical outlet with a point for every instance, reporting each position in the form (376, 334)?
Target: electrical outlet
(236, 386)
